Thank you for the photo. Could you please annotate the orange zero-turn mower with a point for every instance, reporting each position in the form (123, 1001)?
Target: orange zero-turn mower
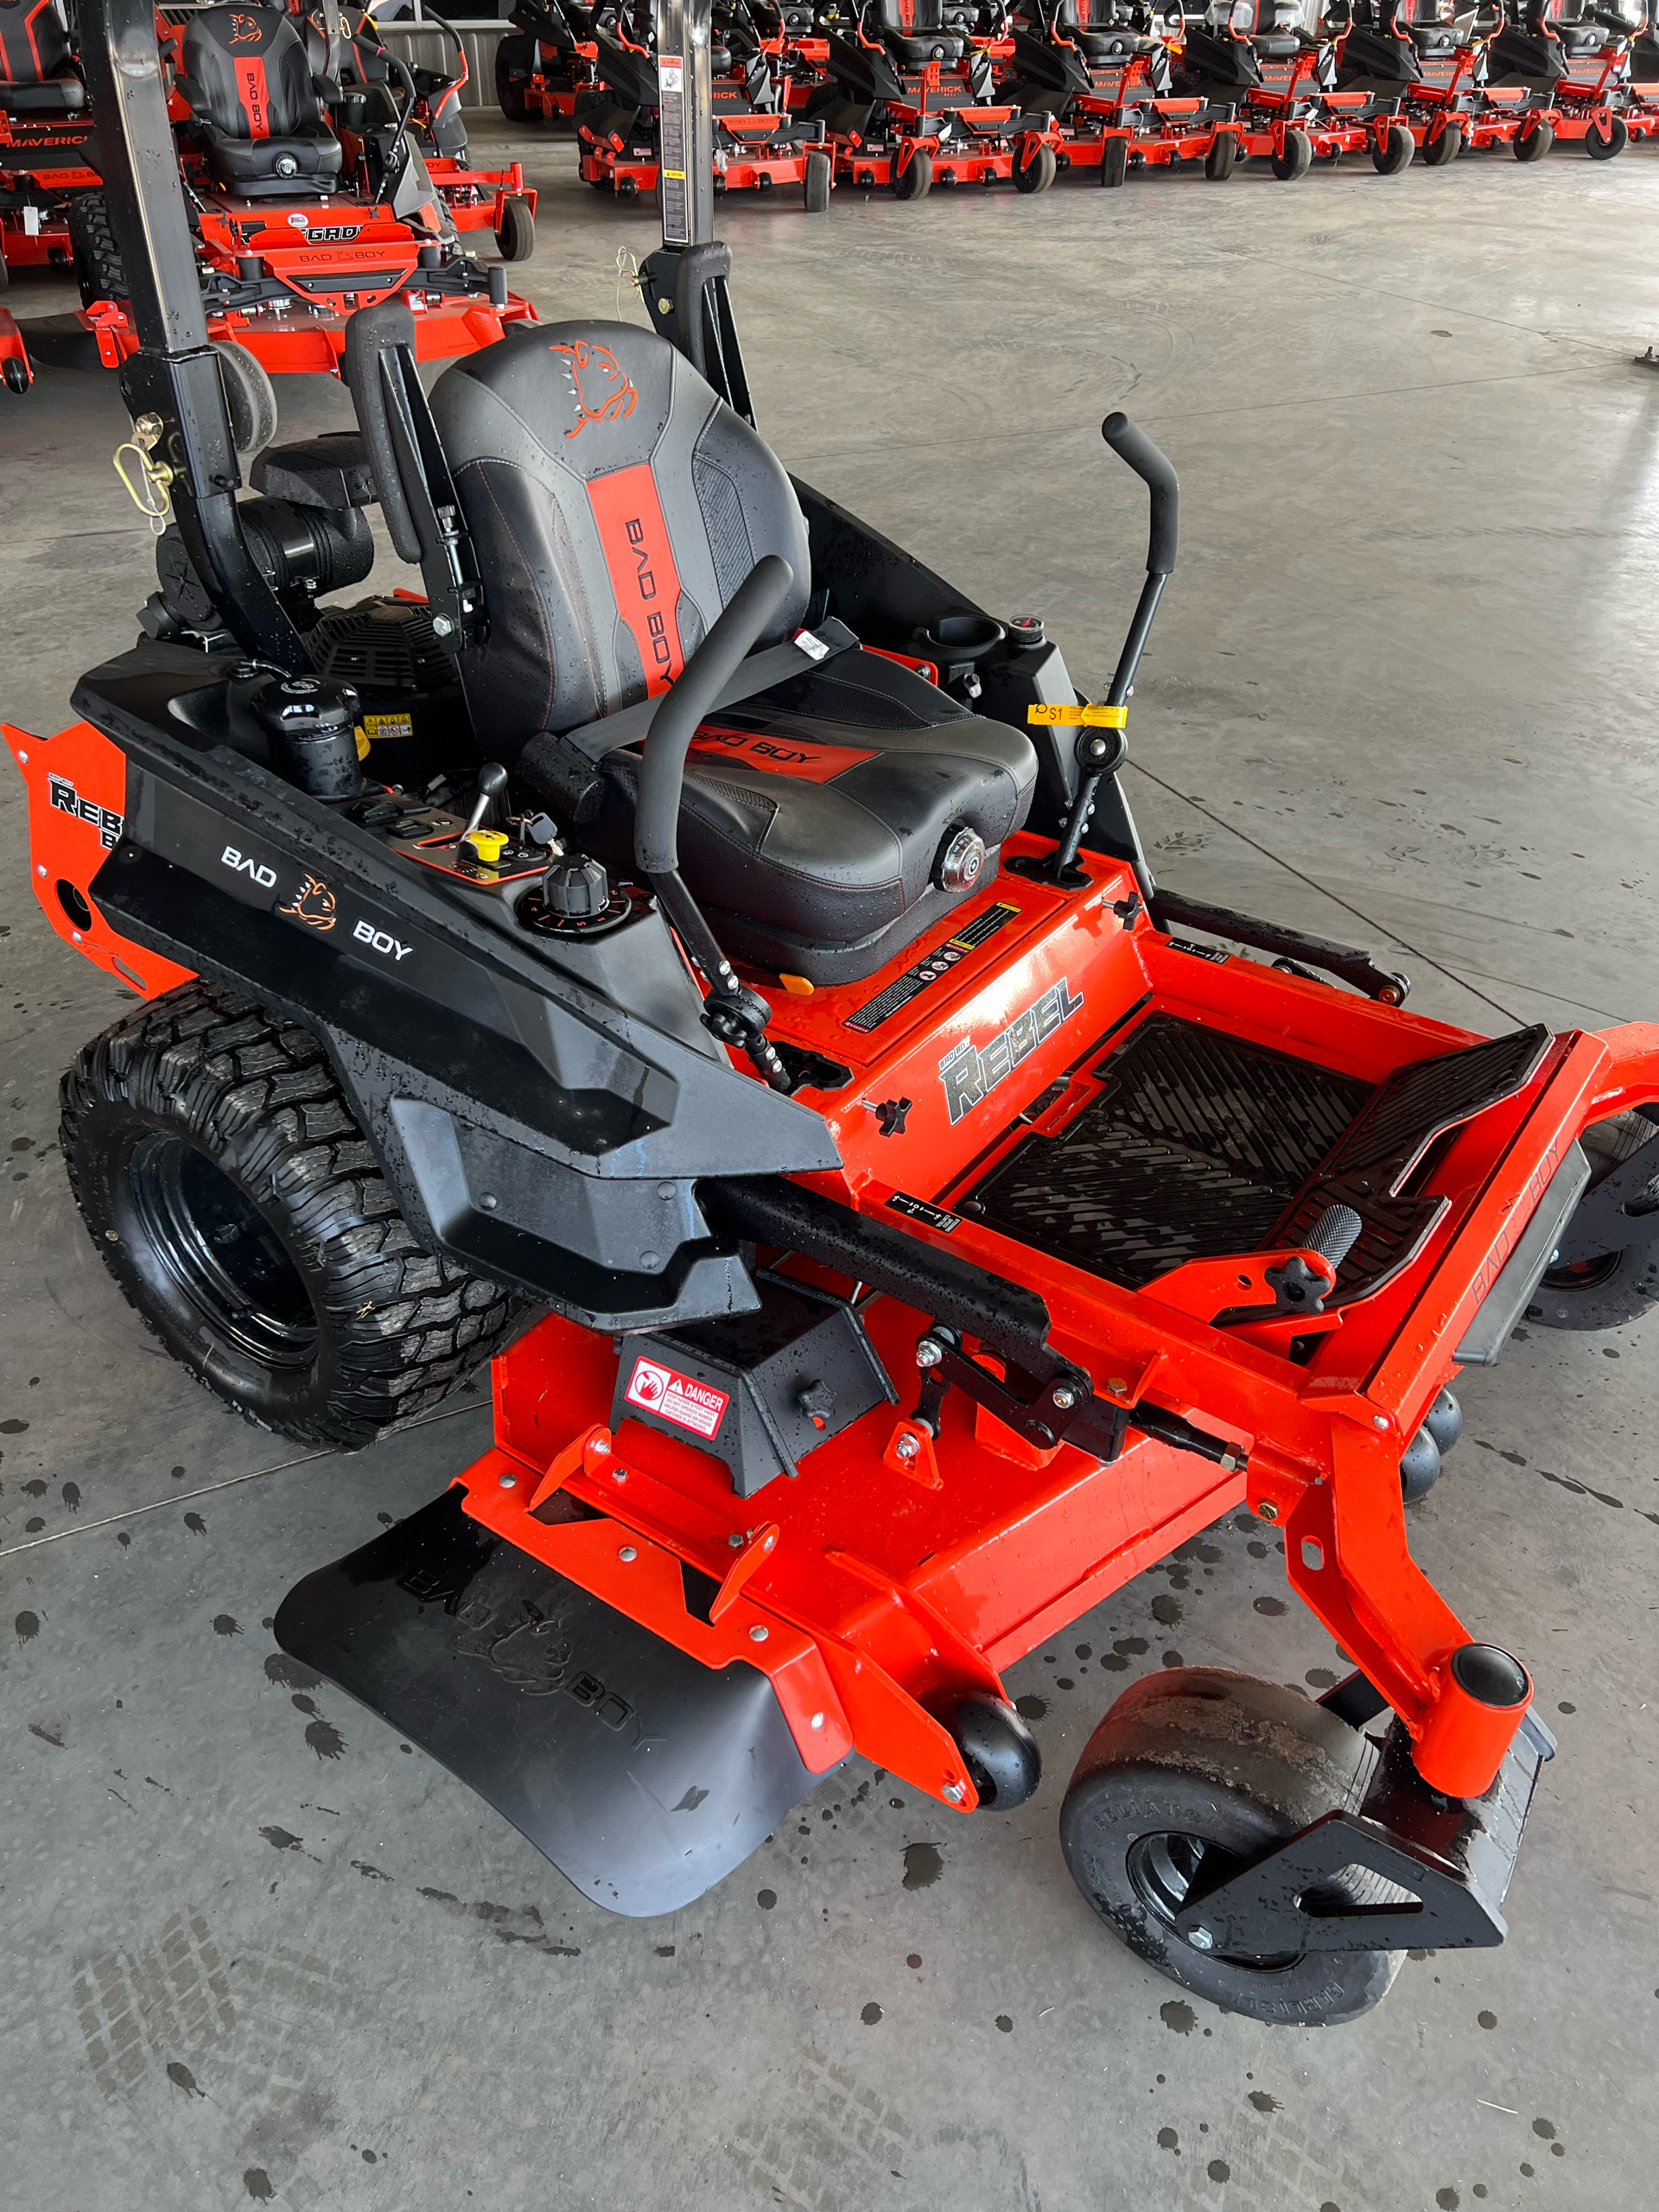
(286, 245)
(46, 152)
(892, 1226)
(373, 83)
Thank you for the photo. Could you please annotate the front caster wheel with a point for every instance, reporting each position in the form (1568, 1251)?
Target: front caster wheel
(516, 239)
(914, 181)
(1113, 162)
(1532, 145)
(1039, 172)
(1222, 158)
(1395, 153)
(1437, 151)
(1192, 1773)
(1609, 1288)
(1294, 158)
(816, 182)
(1603, 150)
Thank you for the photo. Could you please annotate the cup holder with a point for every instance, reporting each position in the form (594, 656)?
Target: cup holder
(962, 639)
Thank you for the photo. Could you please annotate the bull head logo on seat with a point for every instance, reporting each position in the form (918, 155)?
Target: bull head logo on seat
(602, 390)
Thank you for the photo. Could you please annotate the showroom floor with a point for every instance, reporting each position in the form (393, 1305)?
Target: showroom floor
(257, 1952)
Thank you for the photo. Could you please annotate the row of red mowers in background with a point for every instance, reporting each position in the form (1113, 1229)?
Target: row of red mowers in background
(907, 93)
(321, 173)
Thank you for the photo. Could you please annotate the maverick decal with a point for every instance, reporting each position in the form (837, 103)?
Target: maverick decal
(314, 902)
(66, 799)
(970, 1072)
(679, 1398)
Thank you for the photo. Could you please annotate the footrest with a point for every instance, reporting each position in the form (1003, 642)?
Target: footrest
(643, 1776)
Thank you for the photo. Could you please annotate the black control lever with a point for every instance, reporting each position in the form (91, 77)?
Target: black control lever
(1102, 750)
(490, 807)
(737, 1015)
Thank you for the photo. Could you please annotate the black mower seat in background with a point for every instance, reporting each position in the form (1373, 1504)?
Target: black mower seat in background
(615, 506)
(253, 104)
(36, 76)
(914, 32)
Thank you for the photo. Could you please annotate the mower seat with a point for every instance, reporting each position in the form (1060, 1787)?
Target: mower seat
(252, 105)
(615, 504)
(1101, 30)
(914, 32)
(36, 76)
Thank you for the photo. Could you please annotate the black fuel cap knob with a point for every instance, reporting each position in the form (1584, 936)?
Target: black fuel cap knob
(576, 888)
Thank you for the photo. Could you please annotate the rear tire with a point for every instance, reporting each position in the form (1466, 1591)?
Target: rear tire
(1296, 158)
(1532, 145)
(251, 396)
(239, 1207)
(508, 92)
(516, 239)
(1222, 156)
(815, 185)
(1037, 174)
(1603, 150)
(916, 181)
(100, 270)
(1192, 1770)
(1396, 152)
(1113, 162)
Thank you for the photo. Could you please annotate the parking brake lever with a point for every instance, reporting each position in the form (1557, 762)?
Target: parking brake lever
(1102, 750)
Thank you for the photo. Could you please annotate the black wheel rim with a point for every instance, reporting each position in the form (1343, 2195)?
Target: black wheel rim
(220, 1255)
(1166, 1870)
(1583, 1275)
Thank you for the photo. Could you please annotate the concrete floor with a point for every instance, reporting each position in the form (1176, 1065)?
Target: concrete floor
(256, 1952)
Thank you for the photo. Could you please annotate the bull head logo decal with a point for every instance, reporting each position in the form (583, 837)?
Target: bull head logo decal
(313, 902)
(603, 392)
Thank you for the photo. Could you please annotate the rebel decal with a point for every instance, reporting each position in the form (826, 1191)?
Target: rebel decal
(810, 764)
(646, 583)
(66, 799)
(970, 1072)
(675, 1397)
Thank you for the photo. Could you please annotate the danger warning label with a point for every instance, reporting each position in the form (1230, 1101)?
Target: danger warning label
(676, 1397)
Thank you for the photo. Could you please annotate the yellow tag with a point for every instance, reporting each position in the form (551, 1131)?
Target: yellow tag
(797, 985)
(379, 725)
(486, 845)
(361, 738)
(1098, 717)
(678, 175)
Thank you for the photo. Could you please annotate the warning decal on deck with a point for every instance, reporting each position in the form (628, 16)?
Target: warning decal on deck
(673, 1396)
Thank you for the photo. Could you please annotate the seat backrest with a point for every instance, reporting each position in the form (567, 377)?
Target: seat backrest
(246, 72)
(34, 45)
(909, 18)
(614, 504)
(1097, 16)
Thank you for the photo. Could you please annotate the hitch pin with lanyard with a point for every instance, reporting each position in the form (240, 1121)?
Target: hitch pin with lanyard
(148, 489)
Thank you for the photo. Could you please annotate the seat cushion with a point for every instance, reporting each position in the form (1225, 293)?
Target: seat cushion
(263, 166)
(815, 818)
(58, 96)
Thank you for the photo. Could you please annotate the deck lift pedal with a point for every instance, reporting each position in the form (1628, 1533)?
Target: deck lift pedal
(912, 1271)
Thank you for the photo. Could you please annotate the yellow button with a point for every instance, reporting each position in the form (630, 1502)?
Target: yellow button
(797, 985)
(486, 845)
